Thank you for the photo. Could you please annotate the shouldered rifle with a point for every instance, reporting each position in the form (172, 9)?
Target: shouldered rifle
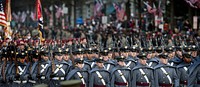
(52, 61)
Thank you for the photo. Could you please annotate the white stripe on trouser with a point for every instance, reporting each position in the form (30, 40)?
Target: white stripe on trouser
(99, 75)
(43, 77)
(145, 76)
(165, 72)
(108, 67)
(58, 78)
(31, 81)
(79, 74)
(43, 67)
(185, 68)
(121, 74)
(19, 82)
(21, 70)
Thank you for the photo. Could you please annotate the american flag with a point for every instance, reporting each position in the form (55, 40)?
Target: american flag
(2, 15)
(120, 12)
(98, 7)
(150, 9)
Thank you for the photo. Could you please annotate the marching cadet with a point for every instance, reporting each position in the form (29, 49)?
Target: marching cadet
(151, 62)
(111, 54)
(33, 80)
(19, 71)
(79, 54)
(142, 74)
(10, 63)
(178, 57)
(99, 76)
(129, 62)
(79, 73)
(59, 69)
(44, 68)
(193, 72)
(4, 66)
(182, 69)
(21, 46)
(194, 53)
(108, 64)
(171, 55)
(133, 54)
(66, 56)
(121, 75)
(165, 75)
(158, 50)
(90, 57)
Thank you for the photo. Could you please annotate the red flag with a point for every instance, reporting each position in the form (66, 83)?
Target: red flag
(40, 19)
(39, 10)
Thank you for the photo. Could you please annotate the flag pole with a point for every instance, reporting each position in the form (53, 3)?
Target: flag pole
(8, 31)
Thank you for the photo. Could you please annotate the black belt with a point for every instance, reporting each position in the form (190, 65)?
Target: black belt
(165, 85)
(142, 84)
(121, 83)
(99, 85)
(198, 82)
(82, 85)
(183, 82)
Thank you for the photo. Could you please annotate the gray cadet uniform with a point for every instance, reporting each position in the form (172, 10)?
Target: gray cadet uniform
(142, 75)
(176, 60)
(4, 67)
(44, 70)
(33, 80)
(165, 75)
(86, 65)
(151, 62)
(59, 74)
(121, 75)
(19, 72)
(33, 69)
(129, 61)
(66, 51)
(99, 77)
(193, 73)
(61, 69)
(79, 74)
(182, 70)
(108, 63)
(90, 61)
